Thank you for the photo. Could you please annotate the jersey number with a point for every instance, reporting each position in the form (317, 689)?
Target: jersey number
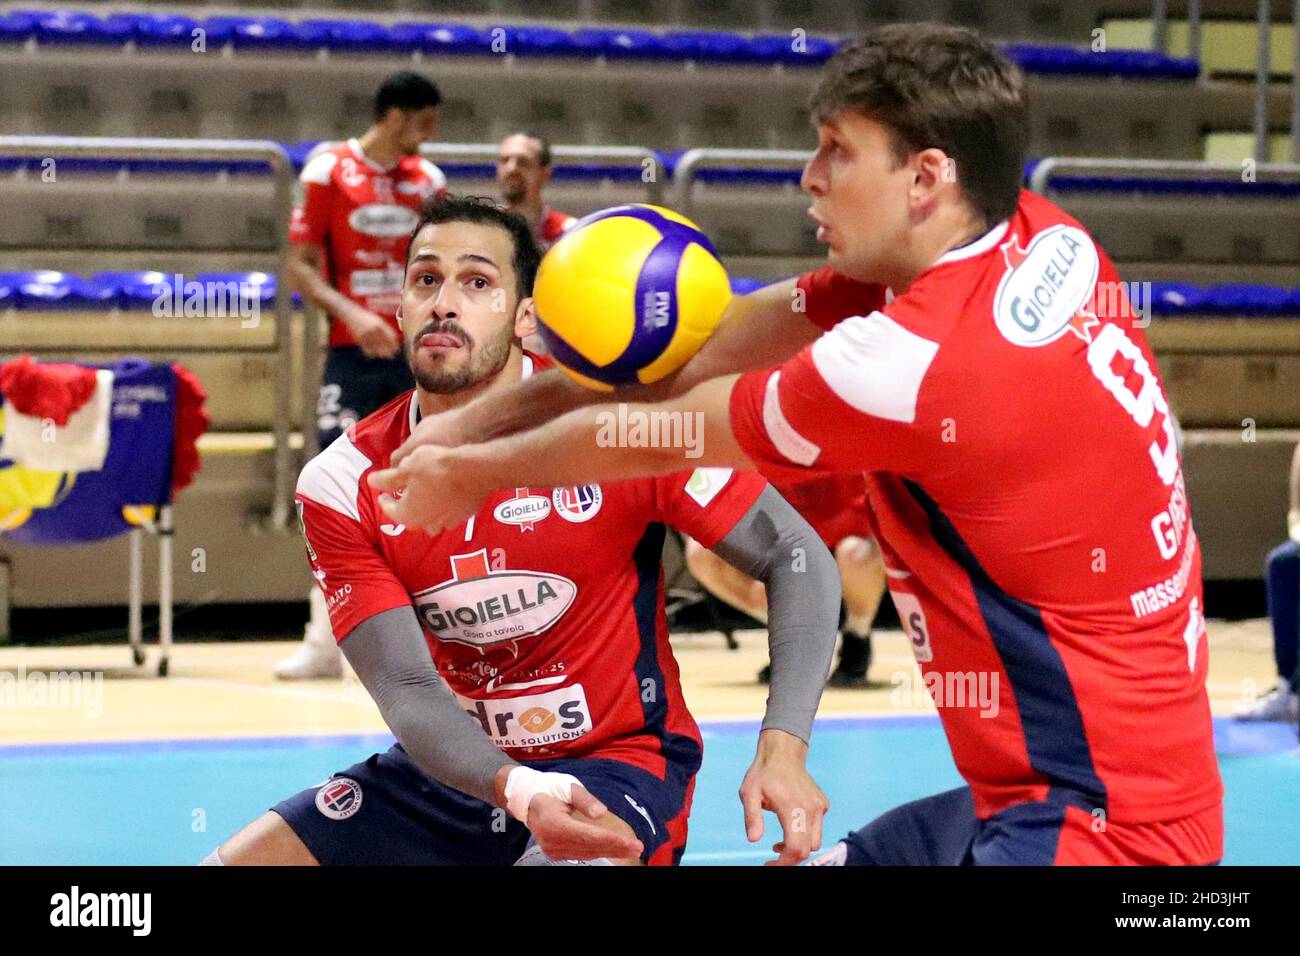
(1142, 404)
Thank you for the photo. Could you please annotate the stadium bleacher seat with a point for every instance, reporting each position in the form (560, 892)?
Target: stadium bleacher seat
(588, 93)
(47, 289)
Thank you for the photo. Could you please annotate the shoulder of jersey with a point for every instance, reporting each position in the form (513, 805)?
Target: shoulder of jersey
(319, 167)
(333, 476)
(432, 172)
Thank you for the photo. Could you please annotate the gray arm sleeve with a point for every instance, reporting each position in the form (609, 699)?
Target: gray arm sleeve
(778, 547)
(390, 657)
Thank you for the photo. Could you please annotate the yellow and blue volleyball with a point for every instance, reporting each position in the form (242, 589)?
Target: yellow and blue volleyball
(628, 295)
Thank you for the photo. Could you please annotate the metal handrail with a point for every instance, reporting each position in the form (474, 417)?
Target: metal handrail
(694, 159)
(1038, 182)
(638, 154)
(213, 149)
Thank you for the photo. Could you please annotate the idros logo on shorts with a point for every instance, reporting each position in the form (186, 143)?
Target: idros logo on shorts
(339, 798)
(534, 720)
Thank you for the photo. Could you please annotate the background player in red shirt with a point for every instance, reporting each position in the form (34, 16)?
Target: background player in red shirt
(359, 201)
(523, 170)
(543, 613)
(1022, 466)
(836, 507)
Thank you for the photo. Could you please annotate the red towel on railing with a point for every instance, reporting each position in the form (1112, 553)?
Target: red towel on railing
(191, 422)
(46, 390)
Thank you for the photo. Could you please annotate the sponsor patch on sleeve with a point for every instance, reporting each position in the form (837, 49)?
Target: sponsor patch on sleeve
(705, 483)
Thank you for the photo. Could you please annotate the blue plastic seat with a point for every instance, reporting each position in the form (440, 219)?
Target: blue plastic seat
(268, 33)
(541, 41)
(132, 290)
(1180, 186)
(74, 27)
(706, 46)
(350, 36)
(1171, 298)
(617, 44)
(446, 38)
(161, 30)
(220, 30)
(18, 26)
(779, 48)
(1251, 299)
(48, 289)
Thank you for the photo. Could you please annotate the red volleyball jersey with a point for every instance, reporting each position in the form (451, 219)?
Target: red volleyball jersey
(361, 215)
(554, 224)
(545, 611)
(834, 504)
(1025, 486)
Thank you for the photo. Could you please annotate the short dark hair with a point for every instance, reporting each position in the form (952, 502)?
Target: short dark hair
(405, 91)
(934, 85)
(544, 157)
(484, 211)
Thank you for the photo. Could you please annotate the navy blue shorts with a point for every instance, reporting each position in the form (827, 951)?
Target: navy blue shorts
(354, 386)
(943, 831)
(384, 811)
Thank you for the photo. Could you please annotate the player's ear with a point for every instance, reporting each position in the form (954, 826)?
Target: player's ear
(525, 317)
(932, 170)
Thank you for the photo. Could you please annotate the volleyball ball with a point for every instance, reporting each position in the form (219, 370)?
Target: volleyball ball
(628, 295)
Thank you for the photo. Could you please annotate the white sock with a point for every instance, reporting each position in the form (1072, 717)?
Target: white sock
(858, 625)
(213, 858)
(319, 630)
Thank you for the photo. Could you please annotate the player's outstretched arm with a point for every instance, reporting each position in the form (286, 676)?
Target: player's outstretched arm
(390, 657)
(441, 487)
(775, 545)
(757, 330)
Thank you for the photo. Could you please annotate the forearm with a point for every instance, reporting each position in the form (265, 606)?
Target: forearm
(611, 442)
(314, 288)
(392, 661)
(759, 330)
(539, 398)
(774, 544)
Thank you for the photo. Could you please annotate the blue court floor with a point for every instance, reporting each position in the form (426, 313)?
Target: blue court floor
(171, 802)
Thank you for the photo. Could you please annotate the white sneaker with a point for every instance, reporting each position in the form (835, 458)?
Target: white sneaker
(310, 661)
(1281, 704)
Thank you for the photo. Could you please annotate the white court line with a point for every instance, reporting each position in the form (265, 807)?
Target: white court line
(727, 855)
(829, 715)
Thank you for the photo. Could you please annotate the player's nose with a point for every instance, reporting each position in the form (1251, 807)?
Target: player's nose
(812, 180)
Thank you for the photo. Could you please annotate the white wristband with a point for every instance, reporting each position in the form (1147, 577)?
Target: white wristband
(524, 783)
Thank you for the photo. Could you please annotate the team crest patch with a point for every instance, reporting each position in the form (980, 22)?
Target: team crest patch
(1048, 288)
(578, 503)
(523, 510)
(339, 798)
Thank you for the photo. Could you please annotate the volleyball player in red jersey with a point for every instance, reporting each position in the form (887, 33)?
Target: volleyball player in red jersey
(970, 349)
(541, 618)
(357, 205)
